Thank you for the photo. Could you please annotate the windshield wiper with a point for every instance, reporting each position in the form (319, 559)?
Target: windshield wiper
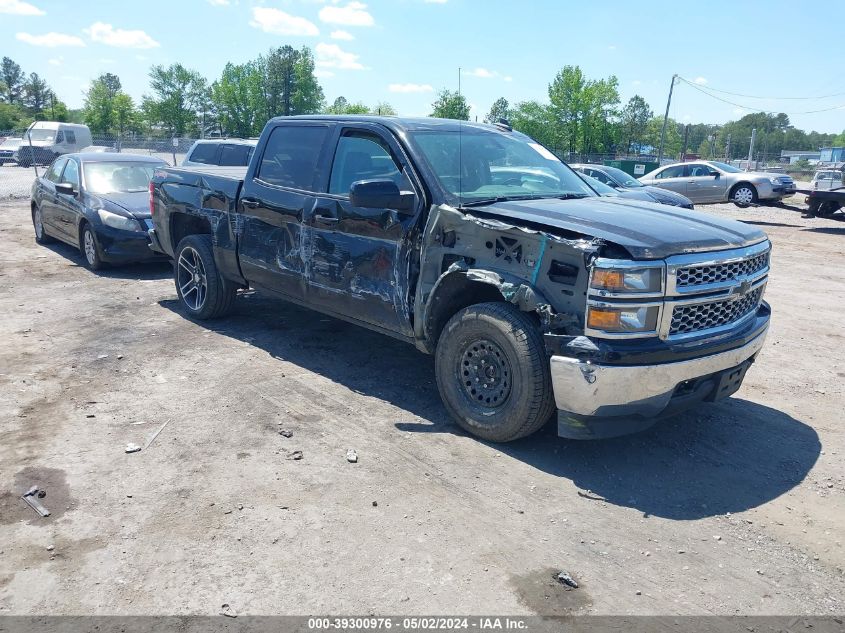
(485, 201)
(572, 196)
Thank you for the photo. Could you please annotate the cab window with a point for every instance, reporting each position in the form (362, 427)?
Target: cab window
(70, 137)
(363, 156)
(701, 170)
(60, 137)
(291, 156)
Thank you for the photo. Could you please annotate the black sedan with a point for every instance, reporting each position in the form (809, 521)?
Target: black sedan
(624, 183)
(98, 203)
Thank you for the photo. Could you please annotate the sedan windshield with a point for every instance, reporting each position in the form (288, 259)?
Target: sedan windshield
(478, 165)
(119, 177)
(730, 169)
(623, 179)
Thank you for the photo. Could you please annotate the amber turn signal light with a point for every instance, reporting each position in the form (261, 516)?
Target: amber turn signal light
(604, 319)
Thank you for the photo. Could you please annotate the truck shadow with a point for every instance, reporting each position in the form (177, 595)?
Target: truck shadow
(720, 458)
(159, 269)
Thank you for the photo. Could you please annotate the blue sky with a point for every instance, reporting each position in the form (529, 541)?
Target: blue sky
(403, 51)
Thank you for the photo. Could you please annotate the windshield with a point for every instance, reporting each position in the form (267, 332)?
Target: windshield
(725, 167)
(476, 165)
(624, 180)
(11, 142)
(601, 188)
(38, 134)
(119, 177)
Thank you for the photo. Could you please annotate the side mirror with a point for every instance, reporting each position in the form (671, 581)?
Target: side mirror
(380, 193)
(717, 175)
(65, 188)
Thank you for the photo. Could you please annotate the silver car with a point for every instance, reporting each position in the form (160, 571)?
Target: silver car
(712, 181)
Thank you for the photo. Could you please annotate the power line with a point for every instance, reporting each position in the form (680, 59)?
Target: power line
(738, 94)
(745, 107)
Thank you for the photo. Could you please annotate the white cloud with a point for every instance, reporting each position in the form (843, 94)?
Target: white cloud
(120, 38)
(481, 72)
(332, 56)
(281, 23)
(17, 7)
(410, 88)
(219, 3)
(353, 14)
(342, 35)
(50, 40)
(700, 81)
(56, 61)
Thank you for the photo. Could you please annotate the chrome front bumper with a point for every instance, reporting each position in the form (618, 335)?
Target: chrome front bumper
(587, 389)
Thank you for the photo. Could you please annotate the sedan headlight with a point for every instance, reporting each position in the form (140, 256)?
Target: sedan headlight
(775, 180)
(623, 319)
(627, 280)
(117, 221)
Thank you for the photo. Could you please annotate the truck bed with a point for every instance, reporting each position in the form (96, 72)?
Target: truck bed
(211, 179)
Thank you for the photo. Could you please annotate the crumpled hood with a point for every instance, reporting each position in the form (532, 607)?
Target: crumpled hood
(646, 230)
(136, 204)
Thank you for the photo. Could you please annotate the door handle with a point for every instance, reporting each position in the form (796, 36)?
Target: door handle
(250, 203)
(325, 215)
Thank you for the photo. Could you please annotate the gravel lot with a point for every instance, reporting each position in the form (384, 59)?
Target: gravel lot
(736, 507)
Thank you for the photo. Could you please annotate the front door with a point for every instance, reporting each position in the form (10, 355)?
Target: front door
(673, 178)
(359, 258)
(68, 208)
(275, 197)
(49, 198)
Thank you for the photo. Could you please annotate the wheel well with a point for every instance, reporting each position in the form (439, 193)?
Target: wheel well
(739, 184)
(454, 293)
(183, 225)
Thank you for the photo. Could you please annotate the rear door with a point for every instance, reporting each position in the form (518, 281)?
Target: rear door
(277, 193)
(705, 183)
(673, 178)
(48, 197)
(358, 259)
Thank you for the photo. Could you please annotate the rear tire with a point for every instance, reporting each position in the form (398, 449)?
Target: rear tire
(202, 290)
(744, 195)
(41, 236)
(827, 209)
(493, 373)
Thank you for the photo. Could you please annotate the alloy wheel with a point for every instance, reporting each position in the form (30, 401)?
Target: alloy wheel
(39, 224)
(193, 285)
(90, 247)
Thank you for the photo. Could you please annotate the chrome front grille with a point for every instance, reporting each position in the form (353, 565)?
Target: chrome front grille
(715, 273)
(705, 316)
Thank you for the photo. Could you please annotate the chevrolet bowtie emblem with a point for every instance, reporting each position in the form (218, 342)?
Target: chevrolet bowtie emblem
(741, 290)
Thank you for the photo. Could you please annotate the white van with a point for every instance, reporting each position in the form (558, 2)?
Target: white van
(43, 141)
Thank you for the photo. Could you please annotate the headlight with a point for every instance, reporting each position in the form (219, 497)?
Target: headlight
(630, 280)
(116, 221)
(620, 319)
(775, 180)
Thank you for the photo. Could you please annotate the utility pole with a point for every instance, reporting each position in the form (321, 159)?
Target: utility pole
(728, 150)
(665, 119)
(751, 149)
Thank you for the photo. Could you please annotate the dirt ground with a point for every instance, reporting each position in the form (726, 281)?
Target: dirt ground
(736, 507)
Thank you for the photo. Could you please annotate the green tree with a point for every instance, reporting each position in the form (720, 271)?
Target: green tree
(11, 117)
(108, 110)
(289, 84)
(839, 141)
(36, 94)
(13, 79)
(450, 105)
(537, 121)
(238, 98)
(179, 95)
(674, 139)
(499, 110)
(383, 108)
(584, 109)
(634, 121)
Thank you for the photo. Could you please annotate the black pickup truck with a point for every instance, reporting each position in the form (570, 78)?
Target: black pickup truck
(479, 246)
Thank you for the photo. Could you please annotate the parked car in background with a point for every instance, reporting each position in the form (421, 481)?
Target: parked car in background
(712, 181)
(7, 149)
(99, 203)
(826, 179)
(99, 148)
(230, 152)
(622, 182)
(45, 140)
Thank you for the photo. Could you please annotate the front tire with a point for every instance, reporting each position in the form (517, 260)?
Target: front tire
(744, 195)
(493, 373)
(41, 236)
(201, 289)
(90, 248)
